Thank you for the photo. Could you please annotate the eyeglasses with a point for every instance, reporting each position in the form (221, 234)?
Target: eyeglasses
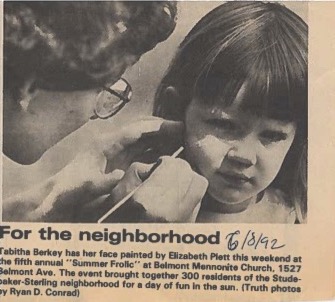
(111, 100)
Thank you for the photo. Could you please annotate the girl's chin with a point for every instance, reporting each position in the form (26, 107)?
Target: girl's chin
(230, 204)
(227, 195)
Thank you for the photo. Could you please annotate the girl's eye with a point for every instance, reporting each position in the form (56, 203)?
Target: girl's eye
(270, 136)
(224, 124)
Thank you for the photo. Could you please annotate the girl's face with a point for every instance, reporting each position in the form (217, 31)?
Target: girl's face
(239, 153)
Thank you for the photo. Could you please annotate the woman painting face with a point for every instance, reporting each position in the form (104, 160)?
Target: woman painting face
(238, 152)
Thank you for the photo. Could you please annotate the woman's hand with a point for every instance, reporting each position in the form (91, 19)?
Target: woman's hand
(123, 147)
(172, 193)
(63, 196)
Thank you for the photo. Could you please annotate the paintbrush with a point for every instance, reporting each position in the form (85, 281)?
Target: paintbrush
(131, 193)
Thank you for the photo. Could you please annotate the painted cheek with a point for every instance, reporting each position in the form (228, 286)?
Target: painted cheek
(269, 166)
(208, 152)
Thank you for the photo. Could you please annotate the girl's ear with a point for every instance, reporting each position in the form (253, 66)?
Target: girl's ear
(172, 107)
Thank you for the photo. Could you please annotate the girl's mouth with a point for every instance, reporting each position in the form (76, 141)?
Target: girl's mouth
(234, 179)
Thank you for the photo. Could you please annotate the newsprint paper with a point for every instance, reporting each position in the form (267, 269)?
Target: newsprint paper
(168, 151)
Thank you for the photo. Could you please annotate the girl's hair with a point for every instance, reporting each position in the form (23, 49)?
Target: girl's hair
(78, 45)
(261, 45)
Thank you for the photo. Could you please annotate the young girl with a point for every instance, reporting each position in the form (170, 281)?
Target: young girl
(239, 83)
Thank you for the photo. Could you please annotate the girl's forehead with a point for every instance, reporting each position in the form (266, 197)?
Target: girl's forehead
(234, 103)
(246, 103)
(237, 112)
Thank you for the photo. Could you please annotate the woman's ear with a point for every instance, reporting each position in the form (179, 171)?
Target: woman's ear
(26, 93)
(172, 106)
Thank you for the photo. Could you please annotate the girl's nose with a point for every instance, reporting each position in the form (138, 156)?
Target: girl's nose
(243, 152)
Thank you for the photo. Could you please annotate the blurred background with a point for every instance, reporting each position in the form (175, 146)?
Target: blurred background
(144, 78)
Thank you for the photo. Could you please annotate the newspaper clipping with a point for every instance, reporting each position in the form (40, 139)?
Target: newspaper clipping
(167, 151)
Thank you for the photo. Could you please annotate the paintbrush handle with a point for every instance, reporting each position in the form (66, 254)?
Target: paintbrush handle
(131, 193)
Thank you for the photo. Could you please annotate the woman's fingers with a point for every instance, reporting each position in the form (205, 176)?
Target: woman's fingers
(132, 179)
(104, 183)
(173, 191)
(148, 129)
(195, 193)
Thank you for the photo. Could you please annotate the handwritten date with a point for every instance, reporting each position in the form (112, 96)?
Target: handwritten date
(251, 240)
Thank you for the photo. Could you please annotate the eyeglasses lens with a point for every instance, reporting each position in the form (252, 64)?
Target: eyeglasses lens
(112, 99)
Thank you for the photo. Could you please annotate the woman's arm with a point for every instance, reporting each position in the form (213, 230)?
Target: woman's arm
(20, 207)
(63, 196)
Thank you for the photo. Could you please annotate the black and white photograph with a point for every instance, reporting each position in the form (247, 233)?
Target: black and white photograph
(167, 151)
(155, 112)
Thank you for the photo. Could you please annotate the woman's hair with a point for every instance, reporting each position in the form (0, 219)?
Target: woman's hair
(261, 45)
(78, 45)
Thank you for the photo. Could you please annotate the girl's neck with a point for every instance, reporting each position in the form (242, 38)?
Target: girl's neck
(210, 204)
